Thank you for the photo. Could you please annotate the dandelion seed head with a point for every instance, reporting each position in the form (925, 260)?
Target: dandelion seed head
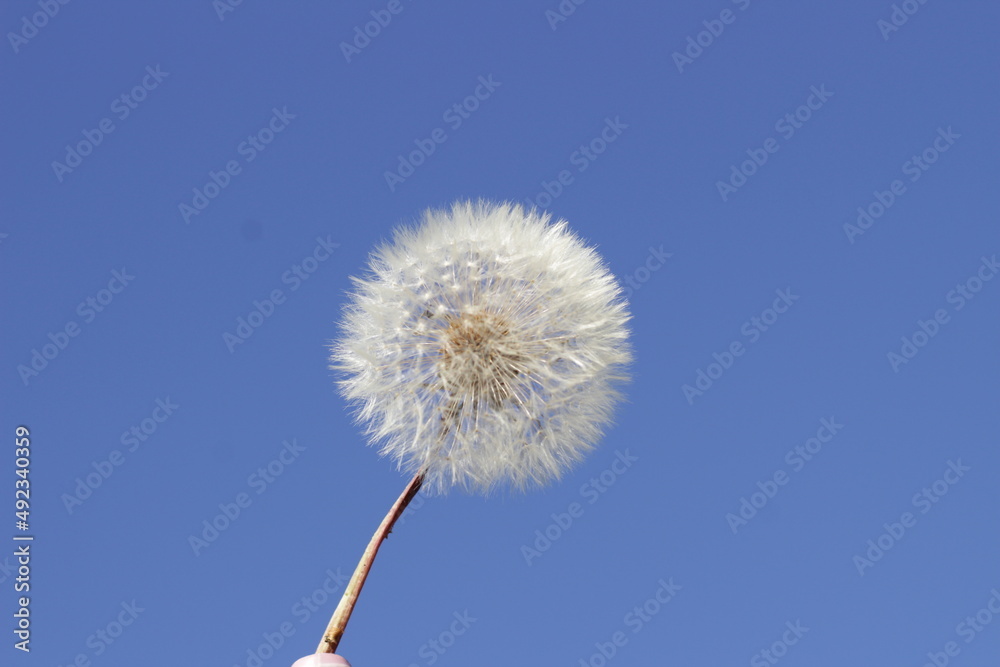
(484, 346)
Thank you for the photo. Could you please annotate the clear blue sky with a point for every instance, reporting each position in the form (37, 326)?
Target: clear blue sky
(268, 148)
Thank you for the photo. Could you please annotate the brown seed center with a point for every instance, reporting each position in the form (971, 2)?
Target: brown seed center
(478, 359)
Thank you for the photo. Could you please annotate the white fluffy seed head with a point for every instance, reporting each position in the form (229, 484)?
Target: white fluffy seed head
(485, 347)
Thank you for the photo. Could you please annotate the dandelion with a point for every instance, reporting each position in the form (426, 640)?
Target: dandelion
(483, 350)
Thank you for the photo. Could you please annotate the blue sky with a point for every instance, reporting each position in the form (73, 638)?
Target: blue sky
(801, 199)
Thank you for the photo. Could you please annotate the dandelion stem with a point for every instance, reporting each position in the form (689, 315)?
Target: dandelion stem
(338, 623)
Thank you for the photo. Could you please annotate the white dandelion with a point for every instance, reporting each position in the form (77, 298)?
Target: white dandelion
(483, 349)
